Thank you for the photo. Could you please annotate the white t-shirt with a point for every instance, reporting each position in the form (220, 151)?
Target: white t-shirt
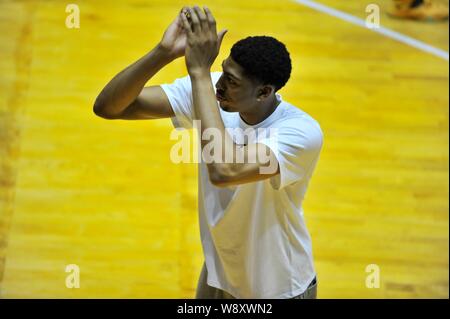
(254, 237)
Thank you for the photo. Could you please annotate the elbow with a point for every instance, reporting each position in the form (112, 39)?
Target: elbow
(220, 175)
(217, 181)
(101, 109)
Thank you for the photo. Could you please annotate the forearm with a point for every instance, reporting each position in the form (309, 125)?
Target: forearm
(206, 110)
(125, 87)
(205, 102)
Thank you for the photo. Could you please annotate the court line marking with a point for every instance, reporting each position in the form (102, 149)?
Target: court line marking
(381, 30)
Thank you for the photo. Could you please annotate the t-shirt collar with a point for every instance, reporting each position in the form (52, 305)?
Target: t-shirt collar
(268, 119)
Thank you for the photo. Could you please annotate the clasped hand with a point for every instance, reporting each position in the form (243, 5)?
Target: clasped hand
(203, 42)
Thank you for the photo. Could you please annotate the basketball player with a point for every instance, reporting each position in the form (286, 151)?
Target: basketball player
(255, 241)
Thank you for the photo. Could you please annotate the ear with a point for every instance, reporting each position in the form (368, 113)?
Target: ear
(265, 91)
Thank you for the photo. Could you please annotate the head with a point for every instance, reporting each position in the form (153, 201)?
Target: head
(255, 70)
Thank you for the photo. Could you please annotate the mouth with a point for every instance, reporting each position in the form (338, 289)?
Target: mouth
(220, 98)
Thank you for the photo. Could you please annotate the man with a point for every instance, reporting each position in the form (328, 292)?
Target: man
(253, 233)
(425, 10)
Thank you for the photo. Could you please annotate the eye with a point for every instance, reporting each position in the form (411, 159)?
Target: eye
(231, 81)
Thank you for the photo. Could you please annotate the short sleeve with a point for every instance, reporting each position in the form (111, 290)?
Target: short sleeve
(296, 144)
(179, 94)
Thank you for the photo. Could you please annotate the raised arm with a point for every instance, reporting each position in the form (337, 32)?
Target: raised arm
(125, 97)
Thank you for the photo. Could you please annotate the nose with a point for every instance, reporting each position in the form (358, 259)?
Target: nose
(219, 88)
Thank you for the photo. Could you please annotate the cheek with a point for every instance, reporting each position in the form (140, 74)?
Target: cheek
(240, 101)
(238, 94)
(244, 97)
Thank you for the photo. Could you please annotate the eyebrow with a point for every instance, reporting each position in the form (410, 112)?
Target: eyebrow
(229, 72)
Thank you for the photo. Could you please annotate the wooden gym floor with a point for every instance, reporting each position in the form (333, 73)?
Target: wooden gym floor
(77, 189)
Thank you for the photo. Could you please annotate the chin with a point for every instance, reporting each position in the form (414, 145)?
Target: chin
(226, 107)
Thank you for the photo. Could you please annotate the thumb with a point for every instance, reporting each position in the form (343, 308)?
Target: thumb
(220, 36)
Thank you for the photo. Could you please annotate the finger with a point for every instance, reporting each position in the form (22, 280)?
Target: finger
(179, 18)
(195, 21)
(182, 11)
(220, 37)
(187, 14)
(185, 22)
(211, 20)
(202, 18)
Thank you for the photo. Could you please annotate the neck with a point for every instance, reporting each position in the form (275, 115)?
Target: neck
(260, 112)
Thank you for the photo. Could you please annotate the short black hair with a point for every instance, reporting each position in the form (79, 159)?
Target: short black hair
(264, 59)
